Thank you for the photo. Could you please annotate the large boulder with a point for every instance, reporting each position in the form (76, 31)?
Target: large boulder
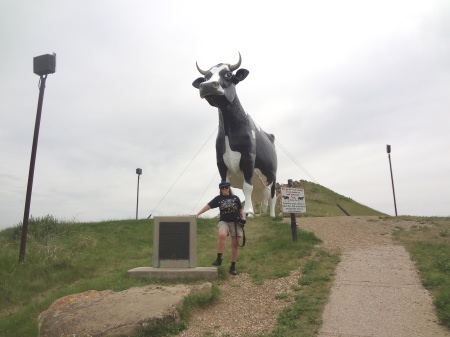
(108, 313)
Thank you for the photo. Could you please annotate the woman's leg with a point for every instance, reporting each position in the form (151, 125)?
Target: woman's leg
(234, 248)
(221, 238)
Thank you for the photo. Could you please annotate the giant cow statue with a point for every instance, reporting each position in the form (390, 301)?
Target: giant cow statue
(246, 155)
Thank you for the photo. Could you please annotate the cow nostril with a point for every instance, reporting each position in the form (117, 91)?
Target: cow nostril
(215, 85)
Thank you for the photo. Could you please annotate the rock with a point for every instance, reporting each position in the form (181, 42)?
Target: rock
(109, 313)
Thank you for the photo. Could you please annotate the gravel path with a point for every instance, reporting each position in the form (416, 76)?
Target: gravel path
(376, 291)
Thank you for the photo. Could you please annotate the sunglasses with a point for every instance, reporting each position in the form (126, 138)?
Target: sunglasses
(225, 188)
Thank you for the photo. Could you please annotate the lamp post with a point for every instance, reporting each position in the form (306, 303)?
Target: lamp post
(138, 172)
(42, 66)
(388, 149)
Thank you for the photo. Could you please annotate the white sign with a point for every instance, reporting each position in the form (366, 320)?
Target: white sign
(293, 200)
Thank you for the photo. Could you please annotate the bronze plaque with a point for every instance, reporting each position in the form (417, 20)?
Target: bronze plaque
(174, 241)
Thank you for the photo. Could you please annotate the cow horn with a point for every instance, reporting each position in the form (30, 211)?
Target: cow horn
(233, 67)
(203, 72)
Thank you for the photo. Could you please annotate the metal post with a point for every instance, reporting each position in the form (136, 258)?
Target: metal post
(388, 148)
(138, 172)
(26, 213)
(293, 220)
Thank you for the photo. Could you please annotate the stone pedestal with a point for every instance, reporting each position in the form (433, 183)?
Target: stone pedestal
(198, 273)
(174, 251)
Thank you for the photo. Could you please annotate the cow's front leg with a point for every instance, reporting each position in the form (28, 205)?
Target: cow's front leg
(248, 207)
(222, 169)
(247, 166)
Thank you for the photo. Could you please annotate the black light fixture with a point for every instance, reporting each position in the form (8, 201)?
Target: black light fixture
(42, 66)
(138, 172)
(388, 150)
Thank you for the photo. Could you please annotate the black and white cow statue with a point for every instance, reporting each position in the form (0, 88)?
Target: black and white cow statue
(246, 155)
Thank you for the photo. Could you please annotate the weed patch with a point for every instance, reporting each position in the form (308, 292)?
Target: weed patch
(303, 318)
(429, 246)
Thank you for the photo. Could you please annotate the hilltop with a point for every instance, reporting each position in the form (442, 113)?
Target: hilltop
(321, 201)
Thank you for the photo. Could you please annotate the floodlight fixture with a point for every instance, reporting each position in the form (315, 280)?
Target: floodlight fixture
(44, 64)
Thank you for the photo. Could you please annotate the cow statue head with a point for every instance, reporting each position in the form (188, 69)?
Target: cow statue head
(218, 83)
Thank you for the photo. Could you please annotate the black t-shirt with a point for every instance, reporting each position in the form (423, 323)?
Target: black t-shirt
(229, 206)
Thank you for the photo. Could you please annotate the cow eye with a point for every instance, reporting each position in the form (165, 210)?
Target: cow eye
(228, 74)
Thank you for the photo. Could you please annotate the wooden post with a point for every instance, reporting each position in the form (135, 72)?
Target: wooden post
(293, 219)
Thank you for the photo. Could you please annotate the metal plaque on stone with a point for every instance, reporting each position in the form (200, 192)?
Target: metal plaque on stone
(174, 242)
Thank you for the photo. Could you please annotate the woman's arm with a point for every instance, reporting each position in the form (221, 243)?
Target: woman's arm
(241, 211)
(203, 210)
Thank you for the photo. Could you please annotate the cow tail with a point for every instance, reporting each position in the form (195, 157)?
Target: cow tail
(273, 189)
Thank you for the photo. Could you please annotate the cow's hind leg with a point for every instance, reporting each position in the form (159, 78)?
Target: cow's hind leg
(273, 200)
(265, 199)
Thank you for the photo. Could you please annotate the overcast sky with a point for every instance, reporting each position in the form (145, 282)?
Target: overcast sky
(335, 81)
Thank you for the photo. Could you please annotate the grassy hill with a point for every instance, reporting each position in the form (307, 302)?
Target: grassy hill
(321, 201)
(64, 258)
(67, 258)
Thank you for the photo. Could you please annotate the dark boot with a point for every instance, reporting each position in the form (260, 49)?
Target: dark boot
(233, 270)
(218, 262)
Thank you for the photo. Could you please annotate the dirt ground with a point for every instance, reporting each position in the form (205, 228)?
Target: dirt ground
(376, 291)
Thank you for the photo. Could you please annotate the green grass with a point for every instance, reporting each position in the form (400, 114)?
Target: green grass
(321, 201)
(304, 317)
(428, 243)
(64, 258)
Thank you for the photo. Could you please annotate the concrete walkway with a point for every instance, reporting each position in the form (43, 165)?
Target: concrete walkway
(377, 292)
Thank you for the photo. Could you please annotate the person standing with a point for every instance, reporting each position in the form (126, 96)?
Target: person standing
(230, 209)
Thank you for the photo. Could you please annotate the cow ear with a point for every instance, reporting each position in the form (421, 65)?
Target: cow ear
(241, 74)
(198, 81)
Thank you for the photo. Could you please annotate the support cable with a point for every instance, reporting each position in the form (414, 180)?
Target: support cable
(176, 180)
(291, 157)
(209, 184)
(296, 162)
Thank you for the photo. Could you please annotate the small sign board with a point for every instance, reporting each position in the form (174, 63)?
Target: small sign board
(293, 200)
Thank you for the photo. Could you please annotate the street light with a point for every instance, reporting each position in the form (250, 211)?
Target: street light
(42, 66)
(388, 149)
(138, 172)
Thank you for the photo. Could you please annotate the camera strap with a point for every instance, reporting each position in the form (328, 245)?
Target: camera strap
(243, 234)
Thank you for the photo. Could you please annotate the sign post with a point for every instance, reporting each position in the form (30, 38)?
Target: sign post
(293, 201)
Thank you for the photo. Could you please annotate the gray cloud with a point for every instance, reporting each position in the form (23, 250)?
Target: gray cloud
(335, 82)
